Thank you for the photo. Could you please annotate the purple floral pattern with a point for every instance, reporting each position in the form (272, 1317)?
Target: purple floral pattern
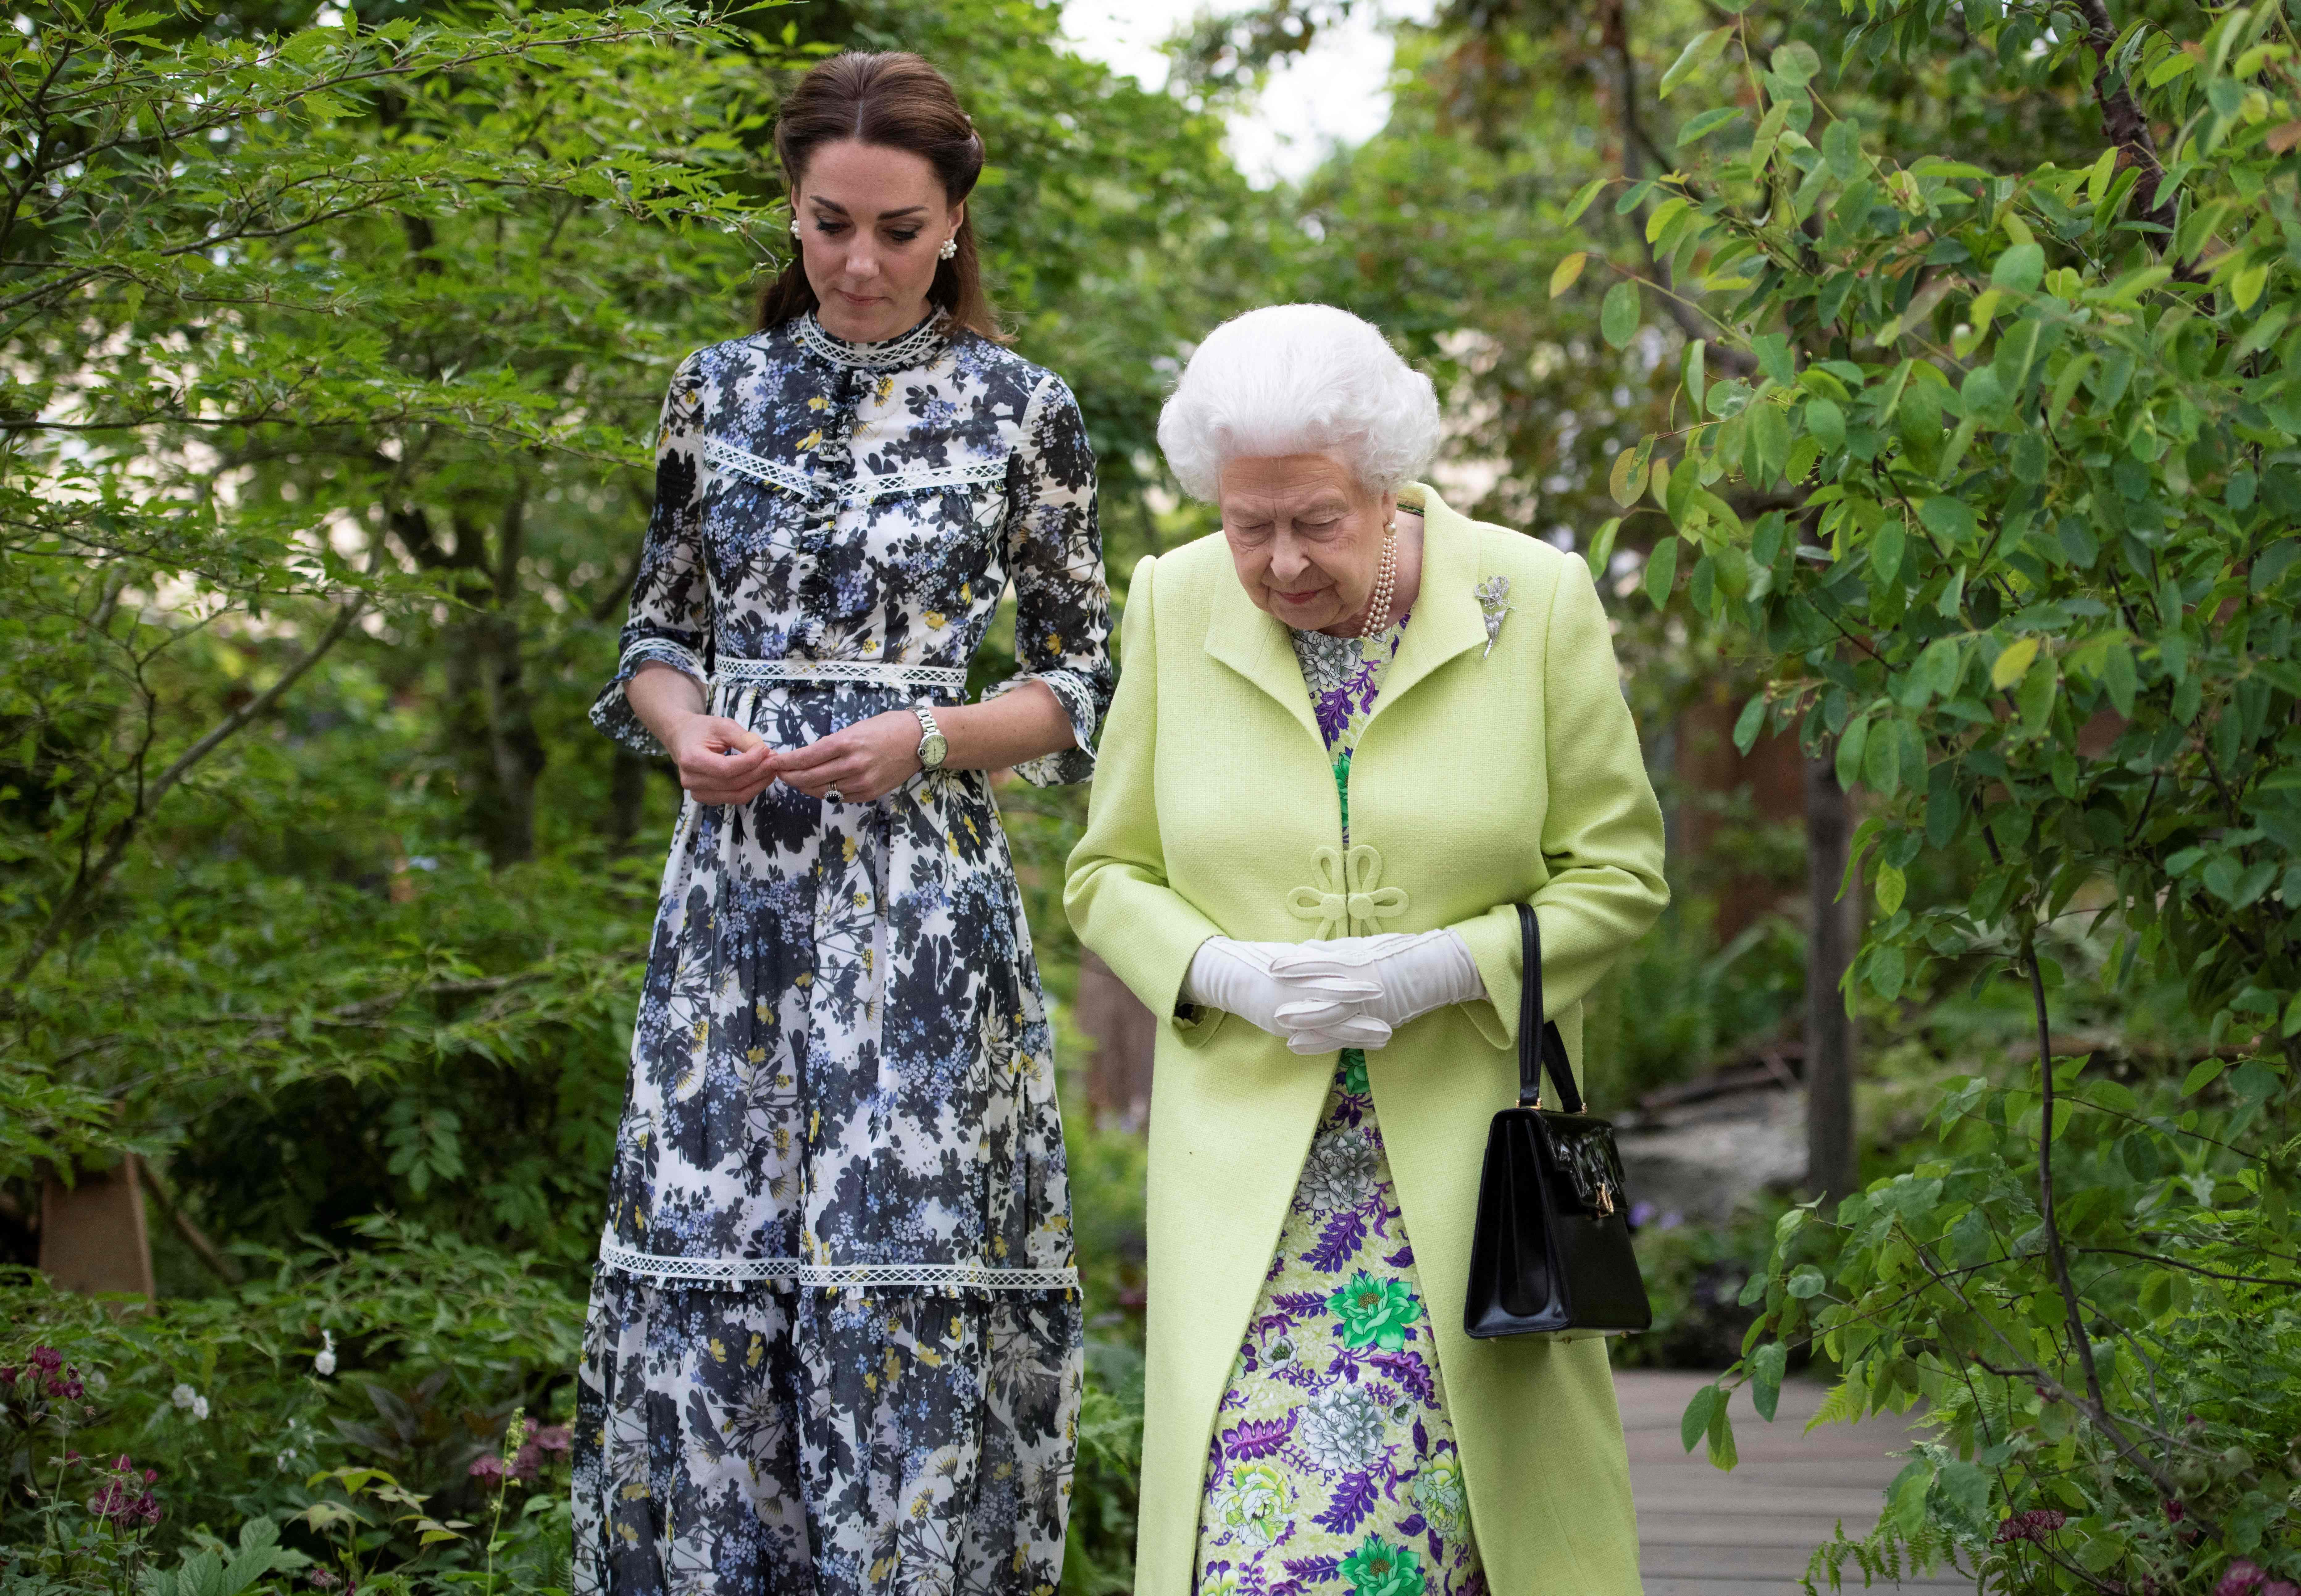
(1334, 1470)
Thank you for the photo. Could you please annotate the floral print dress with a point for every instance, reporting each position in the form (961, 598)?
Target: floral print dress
(1334, 1470)
(834, 1338)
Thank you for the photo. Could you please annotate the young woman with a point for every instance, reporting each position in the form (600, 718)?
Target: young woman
(835, 1337)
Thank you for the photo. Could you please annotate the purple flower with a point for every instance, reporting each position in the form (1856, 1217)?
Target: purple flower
(490, 1468)
(2033, 1526)
(2243, 1577)
(554, 1438)
(1641, 1214)
(1256, 1437)
(46, 1359)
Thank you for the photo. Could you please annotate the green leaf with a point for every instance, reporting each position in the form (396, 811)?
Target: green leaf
(1691, 370)
(1806, 1281)
(2118, 676)
(1701, 49)
(1749, 723)
(1891, 886)
(1600, 552)
(1627, 479)
(1887, 970)
(1567, 272)
(1905, 1498)
(1950, 520)
(1796, 62)
(1770, 440)
(2021, 268)
(1767, 1365)
(1581, 201)
(2013, 662)
(1662, 572)
(1699, 128)
(1694, 1423)
(1885, 550)
(1618, 315)
(1826, 423)
(1882, 760)
(1720, 1433)
(1769, 131)
(2202, 1076)
(1851, 744)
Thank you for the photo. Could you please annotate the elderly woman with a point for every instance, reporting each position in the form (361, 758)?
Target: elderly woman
(1353, 734)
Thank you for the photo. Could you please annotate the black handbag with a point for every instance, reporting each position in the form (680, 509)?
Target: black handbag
(1552, 1250)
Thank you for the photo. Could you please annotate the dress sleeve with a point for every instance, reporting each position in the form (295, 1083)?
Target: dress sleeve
(1054, 554)
(671, 597)
(1601, 834)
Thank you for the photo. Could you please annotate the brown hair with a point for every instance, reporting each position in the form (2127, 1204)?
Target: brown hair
(897, 101)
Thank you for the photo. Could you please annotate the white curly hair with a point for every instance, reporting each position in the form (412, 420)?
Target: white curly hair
(1298, 379)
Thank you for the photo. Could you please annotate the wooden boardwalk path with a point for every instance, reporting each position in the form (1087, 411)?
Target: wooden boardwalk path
(1704, 1532)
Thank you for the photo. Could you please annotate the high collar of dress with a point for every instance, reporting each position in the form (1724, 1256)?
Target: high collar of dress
(915, 347)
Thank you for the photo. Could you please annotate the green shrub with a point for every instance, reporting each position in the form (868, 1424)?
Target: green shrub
(2018, 457)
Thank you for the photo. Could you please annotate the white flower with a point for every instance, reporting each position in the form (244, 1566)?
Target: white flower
(200, 1407)
(1341, 1430)
(183, 1396)
(1340, 1172)
(325, 1362)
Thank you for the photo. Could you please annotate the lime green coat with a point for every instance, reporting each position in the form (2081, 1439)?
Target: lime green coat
(1482, 779)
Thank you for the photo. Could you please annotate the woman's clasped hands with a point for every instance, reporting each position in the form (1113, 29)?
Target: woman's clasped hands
(1319, 997)
(723, 761)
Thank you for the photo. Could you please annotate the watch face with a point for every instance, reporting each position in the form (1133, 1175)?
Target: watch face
(933, 747)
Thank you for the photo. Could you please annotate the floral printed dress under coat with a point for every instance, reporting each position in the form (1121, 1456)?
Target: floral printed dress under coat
(1334, 1470)
(835, 1339)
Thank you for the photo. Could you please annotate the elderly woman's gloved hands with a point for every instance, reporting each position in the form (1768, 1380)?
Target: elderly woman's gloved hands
(1323, 996)
(1313, 1011)
(1384, 981)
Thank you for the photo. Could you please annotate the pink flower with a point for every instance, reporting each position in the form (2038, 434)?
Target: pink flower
(7, 1374)
(554, 1438)
(2280, 1587)
(2242, 1578)
(46, 1359)
(490, 1468)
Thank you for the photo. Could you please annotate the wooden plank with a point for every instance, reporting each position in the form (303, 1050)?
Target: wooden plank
(1750, 1532)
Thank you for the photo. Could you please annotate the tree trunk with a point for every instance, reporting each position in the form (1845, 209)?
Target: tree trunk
(1831, 1168)
(489, 719)
(626, 795)
(1123, 1033)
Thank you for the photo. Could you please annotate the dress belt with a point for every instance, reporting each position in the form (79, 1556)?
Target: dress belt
(730, 670)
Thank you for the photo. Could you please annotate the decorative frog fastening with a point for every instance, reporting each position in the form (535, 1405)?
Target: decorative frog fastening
(1347, 898)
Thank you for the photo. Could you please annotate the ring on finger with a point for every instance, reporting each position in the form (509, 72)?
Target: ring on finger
(830, 795)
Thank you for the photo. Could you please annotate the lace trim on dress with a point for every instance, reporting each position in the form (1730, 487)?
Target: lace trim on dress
(891, 673)
(982, 1277)
(726, 457)
(863, 490)
(911, 348)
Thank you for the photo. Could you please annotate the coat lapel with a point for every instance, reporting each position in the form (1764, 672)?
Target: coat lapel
(1255, 644)
(1446, 617)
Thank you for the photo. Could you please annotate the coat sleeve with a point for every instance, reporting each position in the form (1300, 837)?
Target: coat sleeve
(1054, 552)
(1117, 893)
(1602, 837)
(670, 617)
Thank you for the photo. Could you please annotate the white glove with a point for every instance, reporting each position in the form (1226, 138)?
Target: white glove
(1410, 975)
(1237, 977)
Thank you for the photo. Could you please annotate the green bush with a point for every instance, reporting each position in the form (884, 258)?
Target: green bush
(2000, 470)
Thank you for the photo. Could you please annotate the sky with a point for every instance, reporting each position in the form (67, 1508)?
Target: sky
(1337, 91)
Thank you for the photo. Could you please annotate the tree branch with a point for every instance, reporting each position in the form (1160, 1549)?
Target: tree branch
(92, 874)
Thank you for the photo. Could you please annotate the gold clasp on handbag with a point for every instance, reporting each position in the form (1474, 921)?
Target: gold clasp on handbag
(1605, 1199)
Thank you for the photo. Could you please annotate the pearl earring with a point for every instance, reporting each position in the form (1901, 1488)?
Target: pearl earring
(949, 248)
(794, 227)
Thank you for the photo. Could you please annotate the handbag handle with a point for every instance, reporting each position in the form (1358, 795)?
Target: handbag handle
(1539, 1045)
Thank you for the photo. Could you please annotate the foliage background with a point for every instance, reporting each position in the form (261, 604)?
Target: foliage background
(334, 339)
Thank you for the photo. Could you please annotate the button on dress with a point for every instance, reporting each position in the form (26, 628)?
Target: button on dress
(834, 1338)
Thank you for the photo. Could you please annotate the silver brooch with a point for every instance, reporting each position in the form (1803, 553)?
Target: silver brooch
(1494, 598)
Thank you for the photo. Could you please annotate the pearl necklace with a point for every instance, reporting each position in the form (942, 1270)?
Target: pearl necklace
(1385, 584)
